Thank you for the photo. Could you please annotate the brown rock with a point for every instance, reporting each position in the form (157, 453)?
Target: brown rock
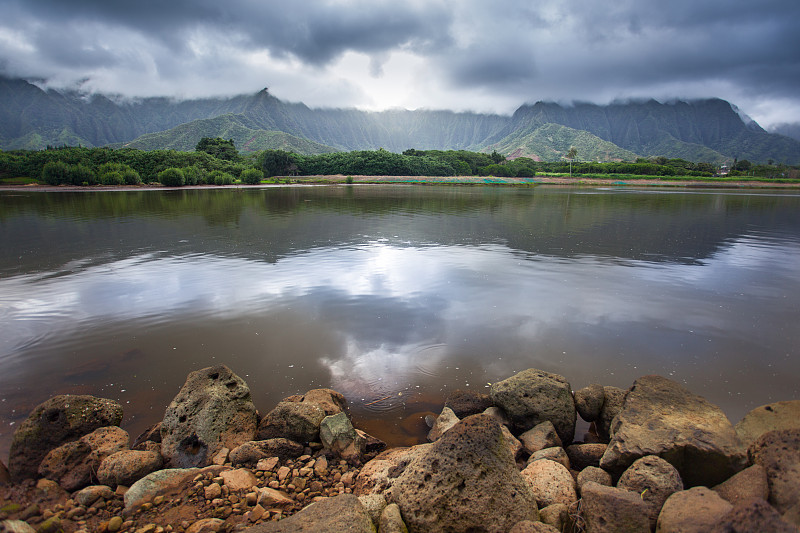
(550, 483)
(379, 473)
(55, 422)
(608, 509)
(583, 455)
(465, 403)
(748, 484)
(557, 516)
(89, 495)
(779, 453)
(128, 466)
(446, 419)
(391, 521)
(613, 398)
(328, 400)
(342, 514)
(654, 480)
(753, 516)
(5, 477)
(594, 474)
(529, 526)
(661, 417)
(250, 453)
(778, 415)
(268, 497)
(589, 402)
(294, 421)
(207, 525)
(151, 434)
(696, 510)
(540, 437)
(239, 479)
(556, 454)
(514, 445)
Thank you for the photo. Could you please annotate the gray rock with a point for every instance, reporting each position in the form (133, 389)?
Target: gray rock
(660, 417)
(342, 514)
(613, 398)
(54, 422)
(374, 505)
(779, 453)
(589, 402)
(555, 453)
(15, 526)
(128, 466)
(87, 496)
(532, 396)
(654, 480)
(498, 415)
(550, 483)
(778, 415)
(339, 436)
(583, 455)
(213, 410)
(753, 516)
(539, 437)
(446, 419)
(465, 481)
(609, 509)
(748, 484)
(595, 475)
(696, 510)
(162, 482)
(465, 403)
(294, 421)
(250, 453)
(75, 464)
(330, 401)
(557, 516)
(391, 520)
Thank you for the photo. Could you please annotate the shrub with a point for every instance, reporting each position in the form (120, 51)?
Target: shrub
(112, 178)
(80, 174)
(131, 177)
(220, 178)
(55, 173)
(171, 177)
(252, 176)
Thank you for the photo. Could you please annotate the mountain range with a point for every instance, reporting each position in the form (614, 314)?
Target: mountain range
(711, 130)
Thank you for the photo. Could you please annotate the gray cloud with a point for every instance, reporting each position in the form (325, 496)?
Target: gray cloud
(439, 53)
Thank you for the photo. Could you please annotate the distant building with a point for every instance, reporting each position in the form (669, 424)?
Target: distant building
(723, 170)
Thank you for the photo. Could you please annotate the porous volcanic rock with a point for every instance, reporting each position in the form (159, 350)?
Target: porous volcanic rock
(342, 514)
(250, 453)
(328, 400)
(583, 455)
(778, 415)
(661, 417)
(529, 526)
(755, 516)
(54, 422)
(696, 510)
(391, 521)
(551, 483)
(128, 466)
(779, 453)
(610, 510)
(297, 421)
(748, 484)
(594, 474)
(589, 402)
(539, 437)
(465, 403)
(465, 481)
(446, 420)
(654, 480)
(555, 453)
(213, 410)
(613, 398)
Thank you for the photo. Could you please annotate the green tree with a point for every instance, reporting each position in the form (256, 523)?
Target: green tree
(252, 176)
(497, 158)
(171, 177)
(218, 147)
(275, 162)
(572, 153)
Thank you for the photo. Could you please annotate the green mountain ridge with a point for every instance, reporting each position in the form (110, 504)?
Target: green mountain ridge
(711, 130)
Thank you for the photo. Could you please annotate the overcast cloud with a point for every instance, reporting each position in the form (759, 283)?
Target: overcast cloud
(441, 54)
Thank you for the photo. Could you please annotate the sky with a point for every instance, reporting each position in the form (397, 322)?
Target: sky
(463, 55)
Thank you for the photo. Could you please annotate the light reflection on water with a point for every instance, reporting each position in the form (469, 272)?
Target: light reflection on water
(395, 296)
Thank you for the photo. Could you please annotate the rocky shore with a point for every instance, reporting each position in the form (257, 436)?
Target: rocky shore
(657, 458)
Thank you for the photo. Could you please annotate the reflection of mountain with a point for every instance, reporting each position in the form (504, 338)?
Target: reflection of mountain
(49, 230)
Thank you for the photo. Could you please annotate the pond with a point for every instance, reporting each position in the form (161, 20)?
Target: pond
(395, 295)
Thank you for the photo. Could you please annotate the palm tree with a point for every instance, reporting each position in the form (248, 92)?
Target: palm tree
(571, 154)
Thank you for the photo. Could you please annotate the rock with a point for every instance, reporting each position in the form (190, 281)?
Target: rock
(89, 495)
(271, 462)
(379, 473)
(779, 453)
(5, 477)
(342, 514)
(594, 474)
(128, 466)
(748, 484)
(250, 453)
(294, 421)
(514, 445)
(467, 480)
(550, 483)
(268, 497)
(498, 415)
(391, 521)
(115, 524)
(465, 403)
(778, 415)
(613, 398)
(556, 454)
(212, 491)
(239, 479)
(532, 396)
(654, 480)
(589, 402)
(583, 455)
(660, 417)
(374, 505)
(753, 516)
(15, 526)
(212, 410)
(446, 419)
(50, 525)
(556, 515)
(696, 510)
(528, 526)
(608, 509)
(159, 482)
(151, 434)
(328, 400)
(339, 436)
(207, 525)
(54, 422)
(75, 464)
(539, 437)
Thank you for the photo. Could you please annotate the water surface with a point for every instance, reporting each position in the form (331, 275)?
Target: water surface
(395, 295)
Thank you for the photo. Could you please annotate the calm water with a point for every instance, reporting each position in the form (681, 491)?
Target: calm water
(395, 295)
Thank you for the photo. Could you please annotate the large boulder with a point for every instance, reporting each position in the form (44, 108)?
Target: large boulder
(465, 481)
(748, 484)
(213, 410)
(589, 401)
(779, 453)
(464, 403)
(328, 400)
(660, 417)
(339, 436)
(778, 415)
(533, 396)
(128, 466)
(551, 483)
(74, 465)
(696, 510)
(610, 510)
(654, 480)
(297, 421)
(54, 422)
(342, 514)
(754, 515)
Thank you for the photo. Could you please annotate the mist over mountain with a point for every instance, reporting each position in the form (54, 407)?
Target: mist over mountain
(711, 130)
